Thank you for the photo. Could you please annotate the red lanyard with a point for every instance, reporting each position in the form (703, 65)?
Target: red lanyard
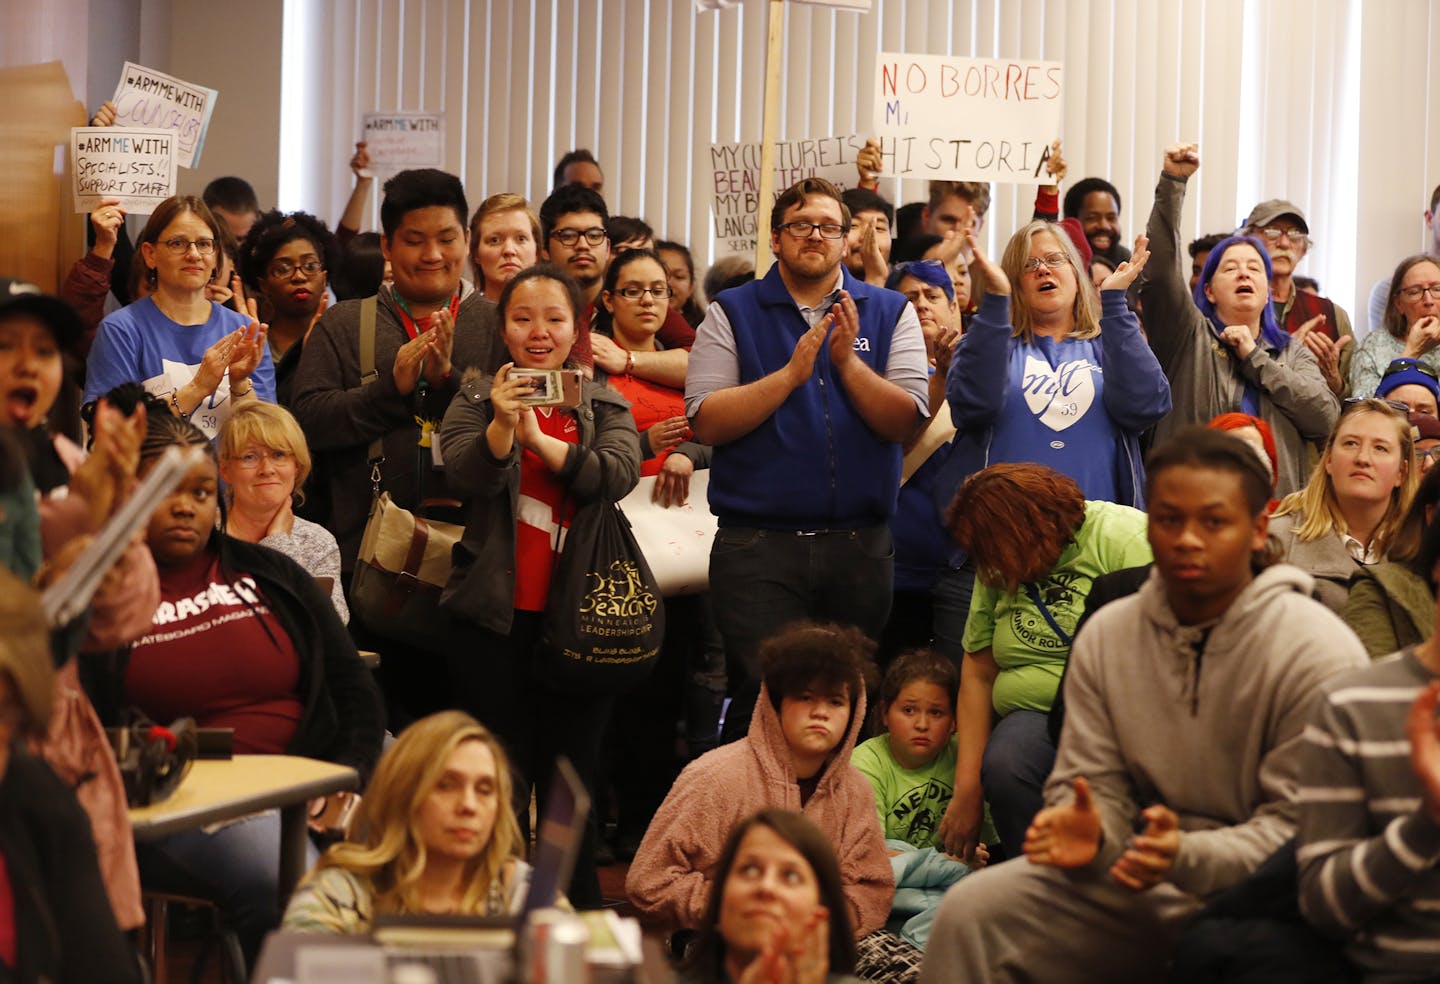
(411, 328)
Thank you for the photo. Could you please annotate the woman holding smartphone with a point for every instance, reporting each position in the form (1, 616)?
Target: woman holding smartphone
(524, 469)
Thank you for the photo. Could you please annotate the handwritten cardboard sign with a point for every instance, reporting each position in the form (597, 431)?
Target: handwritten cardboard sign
(147, 99)
(398, 141)
(135, 166)
(735, 180)
(966, 119)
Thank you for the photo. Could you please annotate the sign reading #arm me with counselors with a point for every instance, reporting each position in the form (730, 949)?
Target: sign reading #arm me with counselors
(966, 119)
(400, 141)
(135, 166)
(147, 99)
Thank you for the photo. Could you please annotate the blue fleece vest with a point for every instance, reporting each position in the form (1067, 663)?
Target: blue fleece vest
(813, 464)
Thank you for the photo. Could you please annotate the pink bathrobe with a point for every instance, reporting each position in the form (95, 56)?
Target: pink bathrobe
(673, 872)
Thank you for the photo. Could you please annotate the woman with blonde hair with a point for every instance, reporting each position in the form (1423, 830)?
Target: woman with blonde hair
(504, 239)
(264, 462)
(435, 833)
(1349, 513)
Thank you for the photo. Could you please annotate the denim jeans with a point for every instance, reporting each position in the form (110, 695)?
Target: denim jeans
(1017, 761)
(762, 580)
(952, 610)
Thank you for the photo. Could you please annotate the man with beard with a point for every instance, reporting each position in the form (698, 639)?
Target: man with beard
(1321, 323)
(806, 382)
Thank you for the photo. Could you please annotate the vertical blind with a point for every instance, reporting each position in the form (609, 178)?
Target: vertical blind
(1288, 98)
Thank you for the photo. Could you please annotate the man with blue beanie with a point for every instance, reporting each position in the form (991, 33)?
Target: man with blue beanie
(806, 382)
(1411, 382)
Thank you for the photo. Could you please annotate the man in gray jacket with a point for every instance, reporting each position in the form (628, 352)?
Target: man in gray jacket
(1185, 705)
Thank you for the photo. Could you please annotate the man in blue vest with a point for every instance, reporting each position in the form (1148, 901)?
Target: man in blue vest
(806, 382)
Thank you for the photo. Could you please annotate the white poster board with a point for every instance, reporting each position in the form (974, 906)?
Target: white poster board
(399, 141)
(135, 166)
(675, 541)
(147, 99)
(966, 119)
(735, 180)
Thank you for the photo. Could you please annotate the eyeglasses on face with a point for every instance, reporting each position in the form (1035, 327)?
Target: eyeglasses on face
(179, 245)
(1272, 234)
(251, 459)
(804, 230)
(283, 269)
(1420, 290)
(1052, 260)
(595, 235)
(1401, 365)
(633, 293)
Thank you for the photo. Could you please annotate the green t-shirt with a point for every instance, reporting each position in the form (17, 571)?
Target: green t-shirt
(912, 801)
(1028, 652)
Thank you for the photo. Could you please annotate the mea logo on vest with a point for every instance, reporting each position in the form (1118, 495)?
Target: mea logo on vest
(862, 345)
(1059, 396)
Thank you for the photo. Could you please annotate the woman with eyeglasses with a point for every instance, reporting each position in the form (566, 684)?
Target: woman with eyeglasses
(1412, 325)
(1220, 344)
(199, 357)
(1349, 513)
(286, 260)
(264, 462)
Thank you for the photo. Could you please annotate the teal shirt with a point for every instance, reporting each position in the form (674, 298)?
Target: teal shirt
(1030, 655)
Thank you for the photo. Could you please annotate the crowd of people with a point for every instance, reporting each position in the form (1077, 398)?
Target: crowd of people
(1136, 566)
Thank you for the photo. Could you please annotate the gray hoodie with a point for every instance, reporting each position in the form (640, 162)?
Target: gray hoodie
(1203, 719)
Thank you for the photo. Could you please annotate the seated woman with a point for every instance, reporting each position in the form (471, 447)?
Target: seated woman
(1411, 326)
(1219, 344)
(504, 239)
(264, 462)
(55, 921)
(286, 259)
(436, 833)
(1349, 512)
(524, 470)
(776, 911)
(198, 357)
(243, 639)
(1392, 605)
(1038, 545)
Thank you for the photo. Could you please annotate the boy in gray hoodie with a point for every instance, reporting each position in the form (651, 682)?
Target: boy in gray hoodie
(1177, 768)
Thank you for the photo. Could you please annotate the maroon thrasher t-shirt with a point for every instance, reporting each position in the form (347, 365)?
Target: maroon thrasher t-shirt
(215, 652)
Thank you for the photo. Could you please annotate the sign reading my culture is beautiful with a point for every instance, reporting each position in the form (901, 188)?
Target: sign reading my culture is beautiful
(397, 141)
(735, 180)
(135, 166)
(147, 99)
(966, 119)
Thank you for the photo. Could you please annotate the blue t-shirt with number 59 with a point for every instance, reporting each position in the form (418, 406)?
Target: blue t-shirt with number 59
(139, 344)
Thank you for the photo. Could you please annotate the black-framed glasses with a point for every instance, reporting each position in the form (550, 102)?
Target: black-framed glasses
(804, 230)
(1420, 290)
(1406, 363)
(284, 269)
(179, 245)
(1054, 261)
(1272, 234)
(634, 293)
(595, 235)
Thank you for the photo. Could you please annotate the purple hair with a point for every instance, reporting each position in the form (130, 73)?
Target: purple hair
(1270, 332)
(931, 272)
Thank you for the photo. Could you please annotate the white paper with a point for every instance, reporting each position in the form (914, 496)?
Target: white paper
(135, 166)
(675, 541)
(735, 180)
(399, 141)
(147, 99)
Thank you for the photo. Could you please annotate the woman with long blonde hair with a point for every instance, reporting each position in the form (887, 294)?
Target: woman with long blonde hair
(1354, 505)
(435, 833)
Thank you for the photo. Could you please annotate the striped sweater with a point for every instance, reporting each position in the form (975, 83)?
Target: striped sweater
(1369, 853)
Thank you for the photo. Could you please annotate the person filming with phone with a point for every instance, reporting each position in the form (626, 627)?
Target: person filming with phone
(525, 448)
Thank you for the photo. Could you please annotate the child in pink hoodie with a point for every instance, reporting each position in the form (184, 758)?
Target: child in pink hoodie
(796, 756)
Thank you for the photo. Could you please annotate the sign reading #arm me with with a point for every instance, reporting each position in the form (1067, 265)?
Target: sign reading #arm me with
(966, 119)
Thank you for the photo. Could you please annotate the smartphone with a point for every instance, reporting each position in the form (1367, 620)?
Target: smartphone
(553, 387)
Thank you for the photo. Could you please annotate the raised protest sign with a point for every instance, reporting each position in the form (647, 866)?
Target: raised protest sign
(147, 99)
(966, 119)
(135, 166)
(398, 141)
(735, 180)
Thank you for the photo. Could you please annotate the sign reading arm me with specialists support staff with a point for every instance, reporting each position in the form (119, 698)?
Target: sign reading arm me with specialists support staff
(397, 141)
(147, 99)
(135, 166)
(966, 119)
